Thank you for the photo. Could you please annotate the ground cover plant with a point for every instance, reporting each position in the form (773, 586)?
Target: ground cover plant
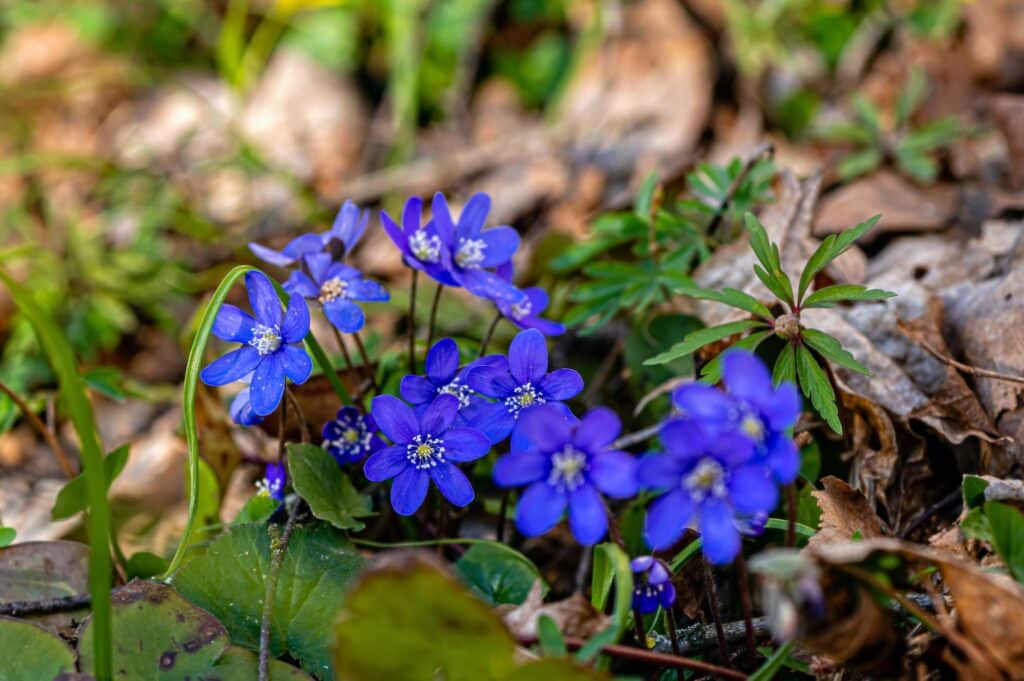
(511, 340)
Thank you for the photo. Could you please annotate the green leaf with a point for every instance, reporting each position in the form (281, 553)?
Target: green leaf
(729, 296)
(776, 282)
(71, 498)
(228, 578)
(257, 509)
(76, 401)
(331, 496)
(841, 292)
(39, 571)
(698, 339)
(975, 525)
(910, 96)
(498, 573)
(817, 387)
(922, 168)
(973, 488)
(645, 197)
(773, 664)
(785, 365)
(859, 163)
(614, 561)
(1007, 525)
(712, 371)
(145, 565)
(32, 653)
(831, 349)
(866, 111)
(7, 535)
(831, 248)
(159, 635)
(551, 642)
(848, 132)
(107, 381)
(759, 242)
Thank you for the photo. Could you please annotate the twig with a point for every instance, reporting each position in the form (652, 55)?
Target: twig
(716, 615)
(49, 606)
(924, 515)
(40, 427)
(490, 332)
(433, 315)
(747, 607)
(630, 439)
(412, 322)
(638, 628)
(278, 548)
(790, 515)
(946, 359)
(697, 638)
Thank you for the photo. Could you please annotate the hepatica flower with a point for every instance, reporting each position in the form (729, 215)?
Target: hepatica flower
(350, 436)
(423, 449)
(472, 250)
(753, 407)
(526, 313)
(348, 227)
(420, 244)
(569, 467)
(273, 482)
(520, 381)
(652, 585)
(337, 287)
(270, 350)
(443, 377)
(706, 479)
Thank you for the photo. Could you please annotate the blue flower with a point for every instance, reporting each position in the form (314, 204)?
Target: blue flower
(751, 406)
(652, 585)
(421, 245)
(443, 377)
(348, 227)
(270, 345)
(241, 410)
(519, 382)
(336, 286)
(708, 479)
(569, 466)
(525, 313)
(423, 448)
(273, 482)
(350, 436)
(472, 249)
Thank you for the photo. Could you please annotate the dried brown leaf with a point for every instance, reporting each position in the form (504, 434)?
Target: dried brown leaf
(575, 616)
(844, 513)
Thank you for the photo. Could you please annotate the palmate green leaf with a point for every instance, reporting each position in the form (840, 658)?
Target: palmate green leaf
(729, 296)
(918, 165)
(831, 248)
(910, 96)
(866, 111)
(816, 386)
(498, 573)
(832, 350)
(1007, 525)
(699, 339)
(785, 365)
(71, 498)
(824, 297)
(859, 163)
(645, 197)
(32, 653)
(776, 282)
(331, 496)
(760, 243)
(227, 578)
(712, 371)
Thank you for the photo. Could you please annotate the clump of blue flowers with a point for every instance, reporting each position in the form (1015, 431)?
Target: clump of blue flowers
(351, 436)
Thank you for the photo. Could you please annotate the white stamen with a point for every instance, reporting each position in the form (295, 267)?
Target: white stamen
(426, 248)
(706, 479)
(266, 339)
(522, 397)
(523, 309)
(567, 468)
(458, 390)
(470, 253)
(425, 451)
(332, 289)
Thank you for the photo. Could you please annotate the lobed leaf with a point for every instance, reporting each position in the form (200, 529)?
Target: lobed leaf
(831, 248)
(729, 296)
(832, 349)
(842, 292)
(817, 387)
(698, 339)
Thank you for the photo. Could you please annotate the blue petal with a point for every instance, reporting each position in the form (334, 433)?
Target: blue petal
(732, 448)
(416, 390)
(528, 356)
(597, 430)
(344, 315)
(231, 367)
(442, 362)
(453, 483)
(412, 212)
(720, 538)
(561, 384)
(784, 408)
(747, 377)
(545, 326)
(367, 290)
(386, 464)
(614, 473)
(304, 244)
(684, 437)
(241, 410)
(464, 444)
(487, 285)
(442, 219)
(492, 380)
(521, 468)
(782, 458)
(299, 283)
(540, 508)
(263, 299)
(409, 490)
(659, 471)
(474, 215)
(271, 256)
(546, 427)
(232, 324)
(501, 244)
(395, 419)
(588, 517)
(440, 415)
(493, 420)
(752, 490)
(297, 364)
(396, 233)
(667, 517)
(349, 225)
(267, 385)
(295, 326)
(706, 404)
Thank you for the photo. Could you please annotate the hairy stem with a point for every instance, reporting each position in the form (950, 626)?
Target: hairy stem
(716, 615)
(490, 333)
(278, 548)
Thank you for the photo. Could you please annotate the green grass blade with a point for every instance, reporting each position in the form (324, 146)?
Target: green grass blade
(196, 357)
(79, 410)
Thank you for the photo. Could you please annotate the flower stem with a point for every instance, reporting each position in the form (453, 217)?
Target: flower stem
(748, 610)
(303, 424)
(638, 628)
(278, 547)
(490, 332)
(673, 633)
(791, 515)
(282, 423)
(350, 367)
(369, 372)
(433, 315)
(412, 322)
(716, 615)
